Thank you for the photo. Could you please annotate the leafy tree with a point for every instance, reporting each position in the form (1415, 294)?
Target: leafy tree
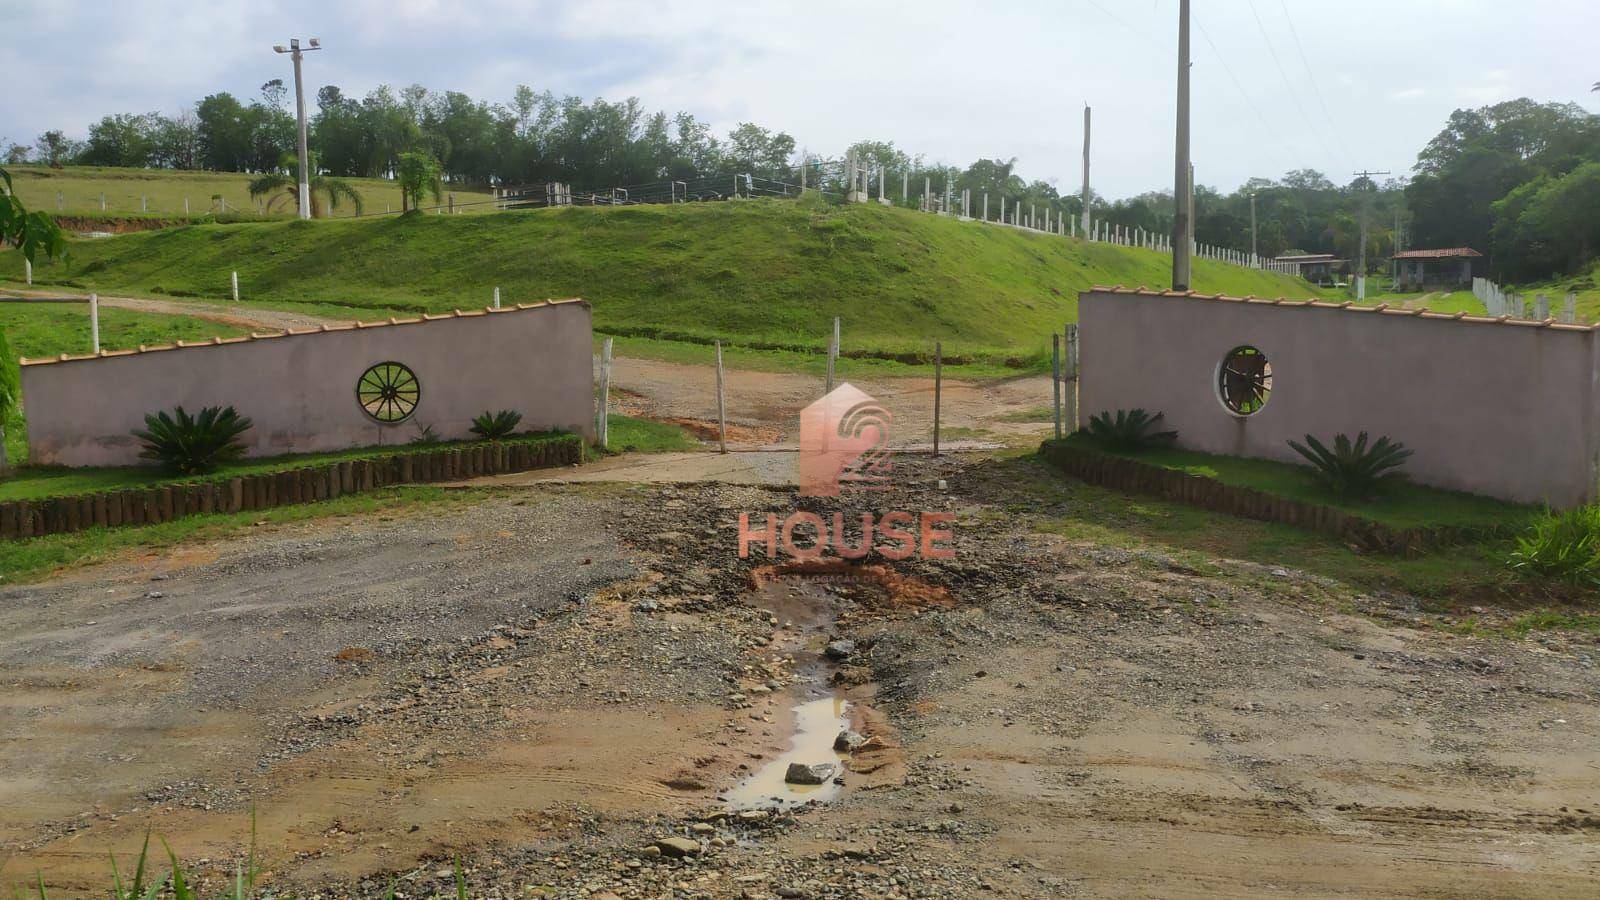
(284, 185)
(121, 140)
(418, 173)
(36, 236)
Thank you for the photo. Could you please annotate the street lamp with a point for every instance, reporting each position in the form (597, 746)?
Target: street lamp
(296, 50)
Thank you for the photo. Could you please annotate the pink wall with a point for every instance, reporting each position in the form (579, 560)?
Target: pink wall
(1504, 410)
(300, 389)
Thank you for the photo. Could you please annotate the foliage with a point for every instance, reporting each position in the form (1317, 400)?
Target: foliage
(34, 233)
(1129, 430)
(1549, 224)
(1561, 546)
(193, 444)
(1353, 468)
(425, 435)
(418, 174)
(496, 425)
(284, 185)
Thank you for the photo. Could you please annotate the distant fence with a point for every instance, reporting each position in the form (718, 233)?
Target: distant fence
(1501, 302)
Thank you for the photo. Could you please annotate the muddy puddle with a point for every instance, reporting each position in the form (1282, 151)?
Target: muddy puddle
(817, 724)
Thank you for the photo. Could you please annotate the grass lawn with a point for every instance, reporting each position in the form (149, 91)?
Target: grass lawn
(633, 435)
(35, 558)
(164, 191)
(761, 275)
(1403, 505)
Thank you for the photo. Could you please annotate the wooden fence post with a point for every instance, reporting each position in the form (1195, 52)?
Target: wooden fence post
(604, 426)
(1070, 386)
(722, 421)
(938, 386)
(1055, 380)
(833, 354)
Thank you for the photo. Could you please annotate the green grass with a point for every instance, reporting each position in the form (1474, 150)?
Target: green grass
(36, 482)
(164, 191)
(761, 275)
(35, 558)
(1403, 505)
(633, 435)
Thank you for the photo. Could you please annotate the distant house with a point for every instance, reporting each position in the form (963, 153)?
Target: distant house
(1321, 268)
(1434, 270)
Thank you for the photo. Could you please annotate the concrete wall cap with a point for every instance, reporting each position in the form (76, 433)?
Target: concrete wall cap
(1382, 309)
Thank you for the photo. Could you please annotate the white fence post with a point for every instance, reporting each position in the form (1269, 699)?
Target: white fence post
(603, 426)
(235, 280)
(27, 270)
(94, 322)
(497, 297)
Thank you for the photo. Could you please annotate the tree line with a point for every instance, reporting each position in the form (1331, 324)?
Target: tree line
(1518, 181)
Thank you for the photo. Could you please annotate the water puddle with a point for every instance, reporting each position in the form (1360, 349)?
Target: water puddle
(817, 724)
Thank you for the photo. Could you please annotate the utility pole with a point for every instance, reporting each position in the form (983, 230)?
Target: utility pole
(300, 112)
(1183, 186)
(1086, 112)
(1361, 251)
(1252, 228)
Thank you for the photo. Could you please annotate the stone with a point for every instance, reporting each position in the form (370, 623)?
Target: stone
(800, 773)
(677, 847)
(848, 741)
(840, 650)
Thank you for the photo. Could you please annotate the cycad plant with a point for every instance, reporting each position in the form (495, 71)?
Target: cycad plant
(1129, 430)
(496, 425)
(193, 444)
(283, 186)
(1352, 468)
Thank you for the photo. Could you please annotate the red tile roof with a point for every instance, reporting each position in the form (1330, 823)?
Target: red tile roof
(1437, 254)
(1382, 309)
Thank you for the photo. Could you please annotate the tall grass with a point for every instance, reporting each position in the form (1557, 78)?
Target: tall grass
(1562, 547)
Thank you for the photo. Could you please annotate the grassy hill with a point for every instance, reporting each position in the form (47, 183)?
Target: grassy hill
(164, 191)
(762, 274)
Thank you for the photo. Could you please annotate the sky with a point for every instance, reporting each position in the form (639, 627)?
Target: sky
(1277, 84)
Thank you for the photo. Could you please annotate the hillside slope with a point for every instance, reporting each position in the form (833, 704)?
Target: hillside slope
(755, 273)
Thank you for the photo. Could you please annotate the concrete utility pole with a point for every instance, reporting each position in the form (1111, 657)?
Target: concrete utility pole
(1183, 184)
(1086, 111)
(1252, 228)
(1361, 251)
(300, 113)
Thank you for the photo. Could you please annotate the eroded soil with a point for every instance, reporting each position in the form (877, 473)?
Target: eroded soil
(547, 683)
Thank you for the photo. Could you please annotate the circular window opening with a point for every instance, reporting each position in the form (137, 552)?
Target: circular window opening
(1244, 381)
(388, 392)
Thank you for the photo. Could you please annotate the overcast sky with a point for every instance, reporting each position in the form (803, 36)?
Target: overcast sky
(1366, 84)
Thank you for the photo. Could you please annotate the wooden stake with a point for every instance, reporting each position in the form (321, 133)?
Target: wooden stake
(722, 421)
(833, 354)
(603, 428)
(938, 385)
(1070, 386)
(1055, 380)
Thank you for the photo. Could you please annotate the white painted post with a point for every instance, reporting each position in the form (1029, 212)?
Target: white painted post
(1541, 307)
(986, 206)
(927, 194)
(235, 287)
(833, 353)
(144, 204)
(1002, 209)
(27, 270)
(905, 185)
(497, 297)
(186, 206)
(94, 323)
(882, 199)
(603, 426)
(60, 201)
(1569, 309)
(722, 419)
(102, 201)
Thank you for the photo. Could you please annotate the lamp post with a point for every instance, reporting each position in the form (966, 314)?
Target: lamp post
(296, 51)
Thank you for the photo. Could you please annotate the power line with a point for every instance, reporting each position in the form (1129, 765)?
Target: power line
(1293, 95)
(1223, 61)
(1304, 60)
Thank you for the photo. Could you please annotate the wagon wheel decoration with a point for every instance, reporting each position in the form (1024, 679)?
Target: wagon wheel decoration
(1245, 380)
(389, 392)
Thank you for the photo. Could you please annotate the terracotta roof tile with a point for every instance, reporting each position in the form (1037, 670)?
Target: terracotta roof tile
(1349, 306)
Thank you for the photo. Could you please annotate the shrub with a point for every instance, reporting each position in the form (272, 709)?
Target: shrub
(1353, 468)
(1562, 547)
(192, 445)
(1130, 429)
(496, 425)
(425, 435)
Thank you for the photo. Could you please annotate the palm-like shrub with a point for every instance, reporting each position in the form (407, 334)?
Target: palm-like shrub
(283, 186)
(192, 445)
(1352, 468)
(1130, 430)
(496, 425)
(1563, 547)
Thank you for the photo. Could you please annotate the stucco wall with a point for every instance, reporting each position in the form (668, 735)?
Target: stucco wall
(300, 389)
(1498, 409)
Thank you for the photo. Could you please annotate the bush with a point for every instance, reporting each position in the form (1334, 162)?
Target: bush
(1353, 468)
(1562, 547)
(192, 445)
(494, 426)
(1131, 430)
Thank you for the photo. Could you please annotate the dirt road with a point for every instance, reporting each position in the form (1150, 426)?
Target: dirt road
(550, 682)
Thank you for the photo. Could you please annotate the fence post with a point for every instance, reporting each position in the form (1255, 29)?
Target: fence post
(938, 386)
(235, 280)
(1055, 380)
(1070, 388)
(833, 353)
(27, 270)
(722, 420)
(1569, 309)
(102, 201)
(94, 323)
(603, 428)
(497, 297)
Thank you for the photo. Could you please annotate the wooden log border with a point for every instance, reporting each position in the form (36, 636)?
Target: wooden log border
(21, 519)
(1121, 473)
